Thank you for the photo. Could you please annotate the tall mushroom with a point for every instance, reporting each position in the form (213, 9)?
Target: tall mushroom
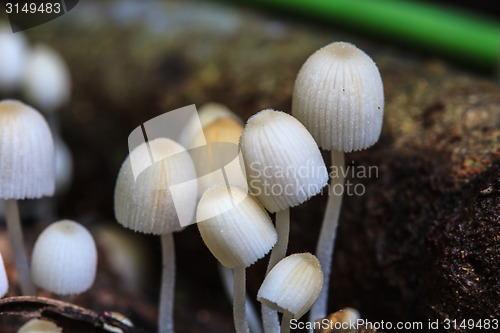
(237, 230)
(284, 169)
(339, 97)
(151, 201)
(26, 172)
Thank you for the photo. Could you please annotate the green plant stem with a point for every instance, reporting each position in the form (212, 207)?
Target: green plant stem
(447, 30)
(18, 250)
(239, 299)
(166, 315)
(285, 322)
(326, 241)
(270, 318)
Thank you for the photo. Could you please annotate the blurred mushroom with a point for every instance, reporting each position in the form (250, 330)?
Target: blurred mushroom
(64, 259)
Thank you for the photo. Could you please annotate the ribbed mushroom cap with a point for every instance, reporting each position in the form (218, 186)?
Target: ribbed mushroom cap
(283, 163)
(293, 285)
(339, 97)
(27, 159)
(147, 204)
(12, 57)
(64, 259)
(234, 226)
(46, 81)
(4, 282)
(39, 326)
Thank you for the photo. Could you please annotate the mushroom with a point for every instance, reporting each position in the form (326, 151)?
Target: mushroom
(292, 287)
(12, 58)
(64, 259)
(217, 157)
(39, 326)
(284, 169)
(238, 231)
(4, 281)
(218, 161)
(26, 172)
(46, 81)
(156, 193)
(339, 97)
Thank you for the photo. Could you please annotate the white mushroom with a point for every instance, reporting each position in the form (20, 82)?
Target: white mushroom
(339, 97)
(64, 259)
(26, 172)
(238, 232)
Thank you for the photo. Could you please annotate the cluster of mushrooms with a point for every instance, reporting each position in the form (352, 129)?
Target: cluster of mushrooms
(337, 105)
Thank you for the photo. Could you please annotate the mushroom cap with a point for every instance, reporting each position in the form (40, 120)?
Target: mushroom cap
(163, 196)
(46, 80)
(64, 259)
(234, 226)
(12, 57)
(39, 326)
(293, 285)
(283, 163)
(207, 114)
(221, 151)
(27, 159)
(4, 281)
(339, 97)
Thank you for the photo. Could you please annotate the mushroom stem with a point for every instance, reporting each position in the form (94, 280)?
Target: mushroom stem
(165, 319)
(239, 298)
(228, 282)
(326, 241)
(18, 250)
(283, 229)
(270, 318)
(285, 322)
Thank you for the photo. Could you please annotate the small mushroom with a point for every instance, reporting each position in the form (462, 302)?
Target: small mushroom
(39, 326)
(238, 231)
(292, 287)
(12, 58)
(64, 259)
(339, 97)
(46, 82)
(26, 172)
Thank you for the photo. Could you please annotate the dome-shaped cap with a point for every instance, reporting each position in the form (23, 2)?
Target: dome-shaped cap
(146, 203)
(283, 163)
(234, 226)
(27, 169)
(293, 285)
(64, 259)
(339, 97)
(46, 80)
(13, 56)
(4, 282)
(39, 326)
